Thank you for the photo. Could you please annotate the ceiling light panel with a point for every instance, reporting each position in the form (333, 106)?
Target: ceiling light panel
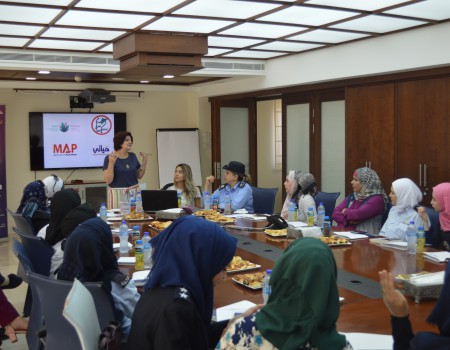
(225, 8)
(378, 24)
(432, 9)
(307, 16)
(82, 34)
(260, 30)
(102, 20)
(287, 46)
(366, 5)
(215, 52)
(254, 54)
(190, 25)
(107, 48)
(327, 36)
(15, 42)
(158, 6)
(12, 29)
(27, 14)
(42, 2)
(231, 42)
(64, 45)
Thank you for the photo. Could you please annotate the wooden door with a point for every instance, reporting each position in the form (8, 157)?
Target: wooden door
(370, 112)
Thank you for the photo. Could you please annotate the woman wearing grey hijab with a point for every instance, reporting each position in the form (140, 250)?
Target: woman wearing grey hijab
(304, 195)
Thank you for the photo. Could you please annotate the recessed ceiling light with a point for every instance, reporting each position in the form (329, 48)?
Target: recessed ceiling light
(168, 76)
(30, 78)
(117, 78)
(44, 72)
(145, 81)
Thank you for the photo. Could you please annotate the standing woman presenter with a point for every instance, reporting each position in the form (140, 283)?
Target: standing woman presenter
(122, 169)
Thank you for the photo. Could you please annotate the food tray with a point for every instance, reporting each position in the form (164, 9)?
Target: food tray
(337, 244)
(249, 268)
(168, 215)
(145, 218)
(246, 285)
(420, 292)
(283, 233)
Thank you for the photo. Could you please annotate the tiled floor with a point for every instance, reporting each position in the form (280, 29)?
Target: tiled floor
(8, 264)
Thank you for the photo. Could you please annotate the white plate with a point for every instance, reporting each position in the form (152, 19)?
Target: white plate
(246, 269)
(115, 218)
(113, 211)
(245, 285)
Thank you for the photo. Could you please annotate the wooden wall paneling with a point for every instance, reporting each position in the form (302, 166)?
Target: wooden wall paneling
(370, 112)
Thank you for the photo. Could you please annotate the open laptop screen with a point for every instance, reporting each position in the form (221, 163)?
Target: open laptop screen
(154, 200)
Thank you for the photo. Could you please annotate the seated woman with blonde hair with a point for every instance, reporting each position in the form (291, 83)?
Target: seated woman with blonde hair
(405, 196)
(184, 183)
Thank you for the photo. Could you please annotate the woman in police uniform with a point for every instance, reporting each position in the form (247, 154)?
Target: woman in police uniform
(237, 187)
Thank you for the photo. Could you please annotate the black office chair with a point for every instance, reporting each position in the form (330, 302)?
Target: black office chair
(386, 212)
(264, 200)
(52, 296)
(329, 201)
(23, 223)
(35, 321)
(166, 186)
(434, 234)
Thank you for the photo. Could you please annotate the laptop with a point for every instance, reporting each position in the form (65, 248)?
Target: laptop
(154, 200)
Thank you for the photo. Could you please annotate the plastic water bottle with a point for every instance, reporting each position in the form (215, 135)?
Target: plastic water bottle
(291, 210)
(320, 215)
(123, 235)
(206, 201)
(420, 239)
(136, 234)
(215, 203)
(227, 209)
(139, 207)
(147, 255)
(132, 205)
(139, 255)
(179, 198)
(266, 288)
(411, 238)
(326, 229)
(310, 216)
(146, 238)
(103, 212)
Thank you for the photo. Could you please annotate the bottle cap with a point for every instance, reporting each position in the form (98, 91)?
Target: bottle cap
(103, 203)
(124, 222)
(321, 203)
(206, 192)
(146, 234)
(420, 228)
(135, 227)
(310, 208)
(327, 217)
(268, 272)
(139, 241)
(411, 222)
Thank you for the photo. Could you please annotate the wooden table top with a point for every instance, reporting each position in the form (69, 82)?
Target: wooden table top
(359, 313)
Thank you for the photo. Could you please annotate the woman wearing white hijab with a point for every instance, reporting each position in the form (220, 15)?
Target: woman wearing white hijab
(405, 196)
(290, 185)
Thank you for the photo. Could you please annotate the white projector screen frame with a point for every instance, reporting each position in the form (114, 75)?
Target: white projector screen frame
(177, 146)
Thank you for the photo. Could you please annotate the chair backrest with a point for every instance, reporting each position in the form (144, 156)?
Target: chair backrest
(39, 251)
(23, 223)
(329, 201)
(79, 310)
(35, 321)
(264, 199)
(434, 234)
(166, 186)
(386, 212)
(52, 296)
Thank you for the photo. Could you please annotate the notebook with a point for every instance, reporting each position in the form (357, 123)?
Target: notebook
(154, 200)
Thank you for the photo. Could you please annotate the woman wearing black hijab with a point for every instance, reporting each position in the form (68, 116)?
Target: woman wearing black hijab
(89, 257)
(62, 203)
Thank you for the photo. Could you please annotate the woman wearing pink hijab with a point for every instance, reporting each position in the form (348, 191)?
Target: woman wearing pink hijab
(440, 201)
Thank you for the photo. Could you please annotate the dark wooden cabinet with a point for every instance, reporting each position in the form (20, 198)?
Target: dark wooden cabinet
(370, 131)
(422, 133)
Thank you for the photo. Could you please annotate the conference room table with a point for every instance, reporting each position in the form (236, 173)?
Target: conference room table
(362, 309)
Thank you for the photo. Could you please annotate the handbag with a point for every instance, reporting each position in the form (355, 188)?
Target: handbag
(111, 337)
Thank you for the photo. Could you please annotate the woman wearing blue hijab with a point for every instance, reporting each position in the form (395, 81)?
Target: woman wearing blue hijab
(176, 308)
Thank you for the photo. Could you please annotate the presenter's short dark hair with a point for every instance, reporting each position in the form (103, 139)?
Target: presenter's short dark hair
(119, 139)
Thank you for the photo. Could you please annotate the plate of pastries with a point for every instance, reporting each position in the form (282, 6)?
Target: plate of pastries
(250, 280)
(237, 264)
(335, 241)
(160, 225)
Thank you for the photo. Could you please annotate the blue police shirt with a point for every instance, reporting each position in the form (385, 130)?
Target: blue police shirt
(241, 197)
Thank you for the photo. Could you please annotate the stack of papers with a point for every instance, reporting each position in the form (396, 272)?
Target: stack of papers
(368, 341)
(350, 235)
(140, 277)
(429, 279)
(232, 310)
(296, 224)
(437, 256)
(394, 244)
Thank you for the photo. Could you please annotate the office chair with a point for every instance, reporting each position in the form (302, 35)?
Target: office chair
(386, 213)
(35, 321)
(166, 186)
(329, 201)
(52, 296)
(23, 223)
(264, 200)
(79, 310)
